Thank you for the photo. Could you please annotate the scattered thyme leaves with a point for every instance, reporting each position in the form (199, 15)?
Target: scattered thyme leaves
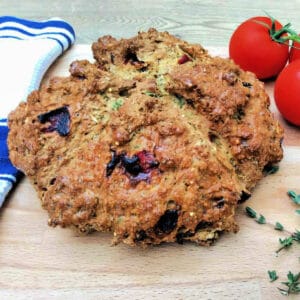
(117, 104)
(285, 243)
(251, 212)
(278, 226)
(151, 94)
(293, 284)
(272, 170)
(295, 198)
(180, 100)
(296, 236)
(272, 275)
(288, 241)
(261, 220)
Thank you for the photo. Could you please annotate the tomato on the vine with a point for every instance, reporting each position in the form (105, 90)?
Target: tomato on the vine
(287, 92)
(257, 46)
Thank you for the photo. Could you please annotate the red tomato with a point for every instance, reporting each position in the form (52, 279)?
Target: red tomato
(252, 48)
(287, 92)
(295, 51)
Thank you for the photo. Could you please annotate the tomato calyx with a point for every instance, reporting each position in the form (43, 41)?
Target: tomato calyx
(282, 35)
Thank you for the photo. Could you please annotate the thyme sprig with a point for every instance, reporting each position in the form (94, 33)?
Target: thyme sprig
(293, 284)
(286, 242)
(260, 219)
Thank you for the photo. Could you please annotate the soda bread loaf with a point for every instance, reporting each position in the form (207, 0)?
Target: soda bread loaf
(155, 141)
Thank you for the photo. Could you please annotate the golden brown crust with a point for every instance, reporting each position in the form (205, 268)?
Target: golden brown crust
(160, 147)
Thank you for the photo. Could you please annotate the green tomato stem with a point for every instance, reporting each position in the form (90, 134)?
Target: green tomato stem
(284, 34)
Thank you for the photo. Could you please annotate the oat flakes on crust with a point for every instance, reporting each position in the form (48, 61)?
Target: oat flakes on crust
(156, 141)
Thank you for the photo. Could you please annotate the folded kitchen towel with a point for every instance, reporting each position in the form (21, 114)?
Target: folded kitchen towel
(27, 49)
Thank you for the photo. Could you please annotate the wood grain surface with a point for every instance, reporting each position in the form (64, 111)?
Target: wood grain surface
(39, 262)
(210, 22)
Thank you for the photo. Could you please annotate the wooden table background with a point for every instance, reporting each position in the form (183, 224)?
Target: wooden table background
(210, 22)
(38, 262)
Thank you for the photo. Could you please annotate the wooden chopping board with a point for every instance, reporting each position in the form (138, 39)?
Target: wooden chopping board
(40, 262)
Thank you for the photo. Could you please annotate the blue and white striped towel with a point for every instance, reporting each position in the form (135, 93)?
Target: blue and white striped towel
(27, 49)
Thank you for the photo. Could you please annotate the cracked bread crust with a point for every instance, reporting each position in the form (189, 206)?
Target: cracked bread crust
(233, 101)
(156, 150)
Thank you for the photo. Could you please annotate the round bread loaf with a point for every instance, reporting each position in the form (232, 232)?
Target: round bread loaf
(155, 141)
